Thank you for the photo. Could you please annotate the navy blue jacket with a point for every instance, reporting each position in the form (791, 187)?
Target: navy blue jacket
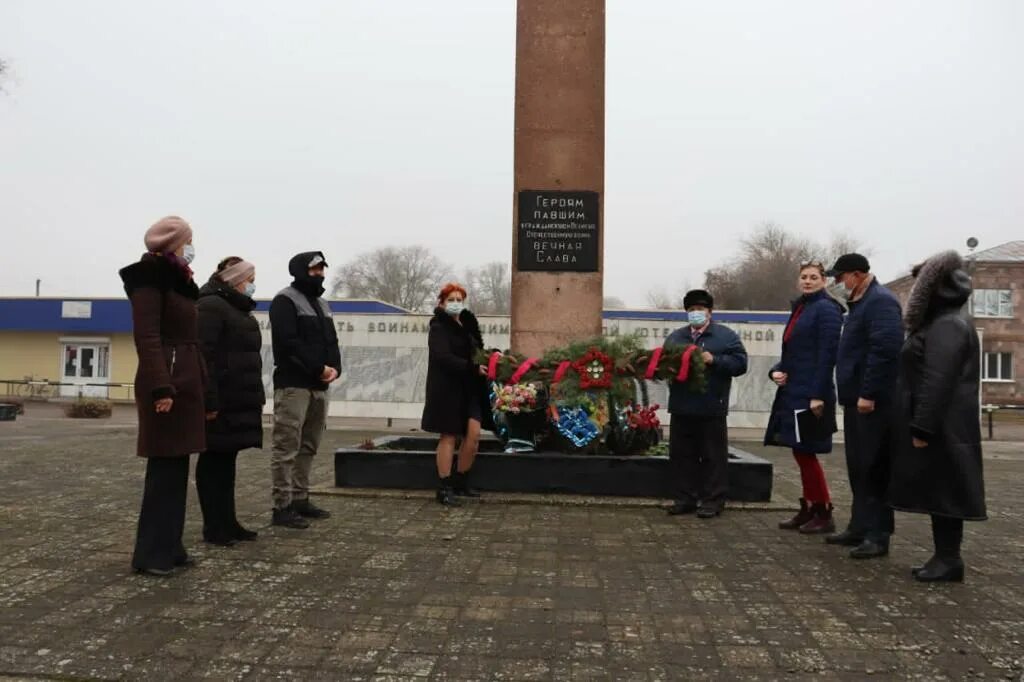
(869, 350)
(809, 358)
(730, 360)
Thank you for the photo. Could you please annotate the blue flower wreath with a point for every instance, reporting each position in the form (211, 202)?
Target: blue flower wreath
(575, 426)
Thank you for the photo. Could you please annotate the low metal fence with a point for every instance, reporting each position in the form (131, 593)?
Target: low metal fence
(990, 410)
(43, 389)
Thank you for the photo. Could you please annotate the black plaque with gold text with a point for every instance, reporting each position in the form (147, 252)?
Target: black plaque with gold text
(558, 231)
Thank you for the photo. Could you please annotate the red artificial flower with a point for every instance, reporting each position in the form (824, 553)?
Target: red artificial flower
(595, 369)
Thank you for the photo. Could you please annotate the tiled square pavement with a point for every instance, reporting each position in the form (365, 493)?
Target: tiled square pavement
(399, 589)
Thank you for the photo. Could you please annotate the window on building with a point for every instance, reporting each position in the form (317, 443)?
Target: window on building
(992, 303)
(998, 367)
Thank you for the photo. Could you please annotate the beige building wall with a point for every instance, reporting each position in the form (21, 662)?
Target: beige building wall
(33, 355)
(37, 356)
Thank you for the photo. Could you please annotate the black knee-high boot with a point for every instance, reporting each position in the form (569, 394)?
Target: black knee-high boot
(946, 565)
(235, 529)
(211, 484)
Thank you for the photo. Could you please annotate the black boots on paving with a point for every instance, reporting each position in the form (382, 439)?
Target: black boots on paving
(708, 510)
(801, 517)
(308, 510)
(451, 488)
(870, 549)
(460, 485)
(446, 494)
(288, 518)
(940, 570)
(821, 521)
(847, 538)
(682, 509)
(295, 515)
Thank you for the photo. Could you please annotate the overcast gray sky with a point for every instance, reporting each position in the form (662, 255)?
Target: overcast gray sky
(275, 127)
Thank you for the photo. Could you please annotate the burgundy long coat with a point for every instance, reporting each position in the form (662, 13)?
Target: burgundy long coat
(164, 317)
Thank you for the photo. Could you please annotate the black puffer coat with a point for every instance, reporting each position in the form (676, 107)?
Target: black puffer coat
(937, 399)
(231, 341)
(455, 389)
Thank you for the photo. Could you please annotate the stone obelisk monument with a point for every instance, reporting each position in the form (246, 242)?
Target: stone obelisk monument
(558, 233)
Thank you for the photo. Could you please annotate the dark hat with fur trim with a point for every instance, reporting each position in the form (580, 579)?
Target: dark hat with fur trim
(698, 297)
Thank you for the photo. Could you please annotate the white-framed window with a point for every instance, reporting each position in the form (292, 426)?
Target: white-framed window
(992, 303)
(997, 367)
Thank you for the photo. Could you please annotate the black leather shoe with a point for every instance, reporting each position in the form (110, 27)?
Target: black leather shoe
(288, 518)
(185, 562)
(155, 572)
(219, 540)
(708, 511)
(941, 571)
(244, 534)
(307, 509)
(869, 549)
(845, 539)
(681, 509)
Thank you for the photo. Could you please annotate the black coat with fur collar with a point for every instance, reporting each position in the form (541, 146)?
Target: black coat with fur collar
(937, 399)
(455, 389)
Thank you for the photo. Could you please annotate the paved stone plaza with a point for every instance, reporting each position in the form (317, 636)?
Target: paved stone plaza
(395, 588)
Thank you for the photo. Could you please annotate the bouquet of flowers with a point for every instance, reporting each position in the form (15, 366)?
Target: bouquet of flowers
(515, 398)
(643, 418)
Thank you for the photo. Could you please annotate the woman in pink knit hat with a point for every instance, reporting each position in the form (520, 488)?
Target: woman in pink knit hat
(169, 385)
(232, 346)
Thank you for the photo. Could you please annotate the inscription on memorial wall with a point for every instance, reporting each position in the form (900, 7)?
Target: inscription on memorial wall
(385, 362)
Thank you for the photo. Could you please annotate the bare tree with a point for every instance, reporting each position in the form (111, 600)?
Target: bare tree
(613, 302)
(659, 299)
(664, 299)
(4, 70)
(490, 288)
(762, 276)
(408, 276)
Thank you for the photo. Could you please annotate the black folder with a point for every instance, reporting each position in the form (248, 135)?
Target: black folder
(810, 428)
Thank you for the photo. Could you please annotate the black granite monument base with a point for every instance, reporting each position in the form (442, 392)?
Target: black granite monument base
(408, 462)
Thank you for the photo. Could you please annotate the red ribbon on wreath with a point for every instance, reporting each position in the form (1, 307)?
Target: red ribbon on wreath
(652, 366)
(492, 366)
(684, 367)
(522, 370)
(563, 367)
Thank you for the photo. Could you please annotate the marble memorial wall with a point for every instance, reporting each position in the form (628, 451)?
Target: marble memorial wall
(385, 363)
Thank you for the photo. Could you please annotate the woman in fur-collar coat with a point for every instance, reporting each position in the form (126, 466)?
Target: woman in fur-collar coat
(455, 389)
(937, 467)
(169, 386)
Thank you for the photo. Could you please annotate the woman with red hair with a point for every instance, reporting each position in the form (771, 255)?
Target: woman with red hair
(454, 385)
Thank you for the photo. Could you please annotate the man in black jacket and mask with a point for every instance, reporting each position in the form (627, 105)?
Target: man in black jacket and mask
(306, 360)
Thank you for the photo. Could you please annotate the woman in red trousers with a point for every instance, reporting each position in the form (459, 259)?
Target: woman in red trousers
(804, 412)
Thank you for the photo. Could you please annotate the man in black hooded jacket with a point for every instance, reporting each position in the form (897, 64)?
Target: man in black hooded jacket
(306, 360)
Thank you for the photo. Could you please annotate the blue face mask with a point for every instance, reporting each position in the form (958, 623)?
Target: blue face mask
(697, 318)
(250, 289)
(454, 308)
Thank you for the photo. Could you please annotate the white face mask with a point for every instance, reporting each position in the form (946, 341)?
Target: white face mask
(189, 254)
(839, 291)
(454, 308)
(250, 289)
